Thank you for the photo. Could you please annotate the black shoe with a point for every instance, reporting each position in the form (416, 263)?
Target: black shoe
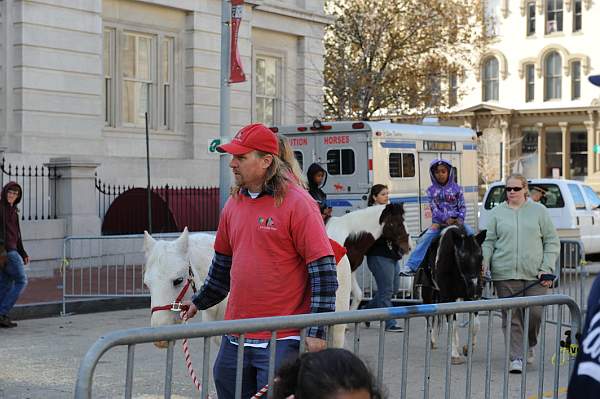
(367, 324)
(407, 273)
(394, 329)
(6, 322)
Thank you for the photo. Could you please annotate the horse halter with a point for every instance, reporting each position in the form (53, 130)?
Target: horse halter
(177, 306)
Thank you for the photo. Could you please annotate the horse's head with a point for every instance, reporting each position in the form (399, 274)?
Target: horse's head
(469, 258)
(394, 228)
(166, 273)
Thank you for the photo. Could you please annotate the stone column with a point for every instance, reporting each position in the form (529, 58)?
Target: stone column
(75, 195)
(504, 128)
(591, 140)
(566, 149)
(516, 143)
(541, 149)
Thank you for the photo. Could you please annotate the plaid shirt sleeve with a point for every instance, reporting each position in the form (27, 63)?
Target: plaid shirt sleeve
(323, 282)
(216, 285)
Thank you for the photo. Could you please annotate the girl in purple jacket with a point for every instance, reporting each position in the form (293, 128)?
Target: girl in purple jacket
(447, 205)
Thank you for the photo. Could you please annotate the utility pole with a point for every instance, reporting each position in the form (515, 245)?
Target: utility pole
(149, 197)
(225, 94)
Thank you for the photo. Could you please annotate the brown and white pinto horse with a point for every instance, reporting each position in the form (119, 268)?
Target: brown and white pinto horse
(358, 231)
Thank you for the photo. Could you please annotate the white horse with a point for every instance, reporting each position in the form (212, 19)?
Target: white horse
(169, 264)
(358, 230)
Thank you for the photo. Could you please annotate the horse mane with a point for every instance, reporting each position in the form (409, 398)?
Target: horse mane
(445, 245)
(367, 219)
(357, 244)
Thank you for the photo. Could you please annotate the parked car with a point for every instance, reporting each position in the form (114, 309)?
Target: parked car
(571, 204)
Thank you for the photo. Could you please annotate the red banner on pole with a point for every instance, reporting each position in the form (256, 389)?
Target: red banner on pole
(236, 73)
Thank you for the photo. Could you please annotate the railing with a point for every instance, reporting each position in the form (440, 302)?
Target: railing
(476, 375)
(173, 208)
(38, 184)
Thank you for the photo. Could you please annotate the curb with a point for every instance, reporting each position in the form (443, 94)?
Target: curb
(93, 305)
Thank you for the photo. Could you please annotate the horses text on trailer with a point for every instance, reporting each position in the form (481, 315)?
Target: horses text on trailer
(357, 155)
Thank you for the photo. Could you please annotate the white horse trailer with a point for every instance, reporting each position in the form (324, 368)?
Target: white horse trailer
(357, 155)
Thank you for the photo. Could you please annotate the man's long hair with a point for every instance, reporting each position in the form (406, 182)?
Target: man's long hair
(276, 179)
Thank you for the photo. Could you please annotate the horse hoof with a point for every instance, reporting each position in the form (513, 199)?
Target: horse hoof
(434, 346)
(457, 360)
(465, 350)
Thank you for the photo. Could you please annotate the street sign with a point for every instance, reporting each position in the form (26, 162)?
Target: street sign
(595, 80)
(596, 148)
(212, 145)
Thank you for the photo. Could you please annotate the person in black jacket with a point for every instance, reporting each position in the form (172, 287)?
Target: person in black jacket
(585, 381)
(13, 279)
(317, 177)
(382, 259)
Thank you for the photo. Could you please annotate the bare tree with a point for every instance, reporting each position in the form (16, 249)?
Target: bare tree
(393, 56)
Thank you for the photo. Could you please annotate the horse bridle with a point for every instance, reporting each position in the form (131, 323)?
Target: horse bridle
(177, 306)
(460, 271)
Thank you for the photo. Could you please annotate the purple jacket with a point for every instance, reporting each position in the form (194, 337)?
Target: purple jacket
(446, 201)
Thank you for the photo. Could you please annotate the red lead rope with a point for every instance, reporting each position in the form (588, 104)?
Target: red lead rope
(176, 306)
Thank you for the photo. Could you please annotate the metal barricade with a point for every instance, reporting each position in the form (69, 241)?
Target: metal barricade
(104, 267)
(571, 278)
(405, 367)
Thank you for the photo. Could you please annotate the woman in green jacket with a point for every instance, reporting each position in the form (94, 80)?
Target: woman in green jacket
(521, 245)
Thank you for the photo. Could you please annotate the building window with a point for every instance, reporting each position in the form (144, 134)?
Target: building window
(268, 90)
(554, 16)
(108, 62)
(167, 80)
(552, 76)
(490, 80)
(136, 56)
(554, 153)
(145, 74)
(401, 165)
(452, 89)
(530, 18)
(434, 90)
(529, 82)
(578, 154)
(577, 16)
(576, 80)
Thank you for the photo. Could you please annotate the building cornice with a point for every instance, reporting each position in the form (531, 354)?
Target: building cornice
(296, 13)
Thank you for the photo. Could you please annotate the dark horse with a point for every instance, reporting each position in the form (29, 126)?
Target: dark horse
(452, 271)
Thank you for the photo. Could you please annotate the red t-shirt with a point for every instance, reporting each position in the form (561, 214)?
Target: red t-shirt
(270, 247)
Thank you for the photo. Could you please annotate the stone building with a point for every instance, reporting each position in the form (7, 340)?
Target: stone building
(530, 96)
(76, 77)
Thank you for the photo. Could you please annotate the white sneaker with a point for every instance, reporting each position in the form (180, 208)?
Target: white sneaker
(530, 356)
(516, 366)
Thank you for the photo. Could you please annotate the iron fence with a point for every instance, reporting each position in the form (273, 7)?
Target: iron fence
(124, 209)
(480, 375)
(38, 201)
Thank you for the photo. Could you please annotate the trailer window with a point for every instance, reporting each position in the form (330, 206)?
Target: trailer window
(340, 162)
(300, 158)
(401, 165)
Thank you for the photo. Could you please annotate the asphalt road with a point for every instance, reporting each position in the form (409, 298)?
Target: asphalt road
(40, 359)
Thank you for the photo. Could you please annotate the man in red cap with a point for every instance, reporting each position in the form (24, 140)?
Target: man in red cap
(273, 258)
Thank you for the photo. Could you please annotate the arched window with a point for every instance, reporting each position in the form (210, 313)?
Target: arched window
(490, 79)
(552, 76)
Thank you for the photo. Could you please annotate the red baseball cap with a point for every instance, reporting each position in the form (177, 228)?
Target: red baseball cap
(252, 137)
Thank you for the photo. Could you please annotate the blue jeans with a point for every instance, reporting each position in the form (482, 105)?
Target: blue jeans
(255, 372)
(384, 270)
(418, 254)
(13, 281)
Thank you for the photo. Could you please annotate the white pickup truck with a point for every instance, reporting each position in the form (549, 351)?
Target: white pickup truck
(571, 204)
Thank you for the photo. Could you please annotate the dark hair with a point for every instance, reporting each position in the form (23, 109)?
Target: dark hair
(320, 375)
(375, 190)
